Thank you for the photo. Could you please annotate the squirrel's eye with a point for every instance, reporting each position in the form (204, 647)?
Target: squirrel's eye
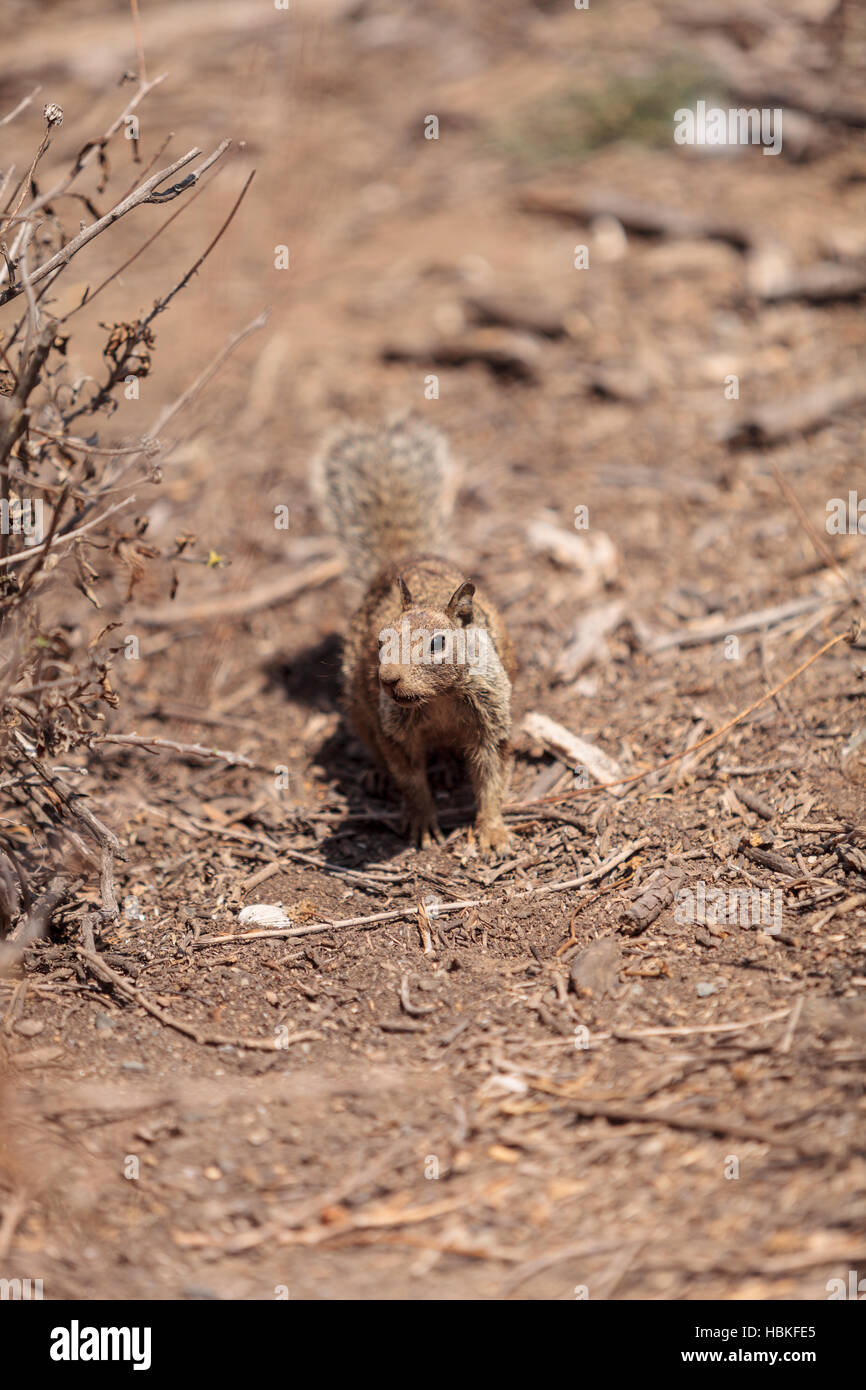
(438, 643)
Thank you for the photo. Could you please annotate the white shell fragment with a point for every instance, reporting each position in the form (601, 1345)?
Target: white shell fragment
(263, 915)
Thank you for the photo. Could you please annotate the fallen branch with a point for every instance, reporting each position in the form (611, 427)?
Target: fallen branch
(825, 282)
(715, 629)
(234, 605)
(396, 914)
(500, 349)
(526, 313)
(685, 1031)
(184, 749)
(676, 1119)
(689, 752)
(800, 414)
(635, 214)
(817, 99)
(105, 973)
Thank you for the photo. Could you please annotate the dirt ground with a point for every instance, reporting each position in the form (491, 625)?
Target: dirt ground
(430, 1106)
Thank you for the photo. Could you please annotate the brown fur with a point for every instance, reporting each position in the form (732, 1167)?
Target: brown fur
(403, 697)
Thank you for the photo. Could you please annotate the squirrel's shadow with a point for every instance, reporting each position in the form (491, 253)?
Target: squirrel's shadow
(311, 677)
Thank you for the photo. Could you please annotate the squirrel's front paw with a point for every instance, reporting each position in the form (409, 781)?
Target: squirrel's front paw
(493, 837)
(422, 829)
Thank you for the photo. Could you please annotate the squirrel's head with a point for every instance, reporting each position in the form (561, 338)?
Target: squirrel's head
(431, 651)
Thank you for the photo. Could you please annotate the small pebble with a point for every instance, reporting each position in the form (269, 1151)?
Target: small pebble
(705, 989)
(29, 1027)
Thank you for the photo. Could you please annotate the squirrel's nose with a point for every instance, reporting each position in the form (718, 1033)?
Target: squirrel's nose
(389, 676)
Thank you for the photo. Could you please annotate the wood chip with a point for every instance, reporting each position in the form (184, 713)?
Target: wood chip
(586, 642)
(823, 282)
(591, 553)
(655, 895)
(524, 312)
(595, 970)
(576, 752)
(755, 803)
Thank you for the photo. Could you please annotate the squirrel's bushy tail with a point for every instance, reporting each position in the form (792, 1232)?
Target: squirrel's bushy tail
(387, 493)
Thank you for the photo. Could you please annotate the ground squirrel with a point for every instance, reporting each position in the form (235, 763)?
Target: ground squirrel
(427, 662)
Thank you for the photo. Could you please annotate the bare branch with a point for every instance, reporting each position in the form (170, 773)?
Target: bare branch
(51, 683)
(90, 151)
(72, 800)
(162, 304)
(71, 442)
(89, 298)
(69, 536)
(200, 382)
(22, 106)
(146, 193)
(36, 923)
(53, 117)
(139, 46)
(13, 412)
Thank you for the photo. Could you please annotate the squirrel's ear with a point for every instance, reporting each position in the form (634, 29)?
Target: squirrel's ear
(460, 603)
(405, 596)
